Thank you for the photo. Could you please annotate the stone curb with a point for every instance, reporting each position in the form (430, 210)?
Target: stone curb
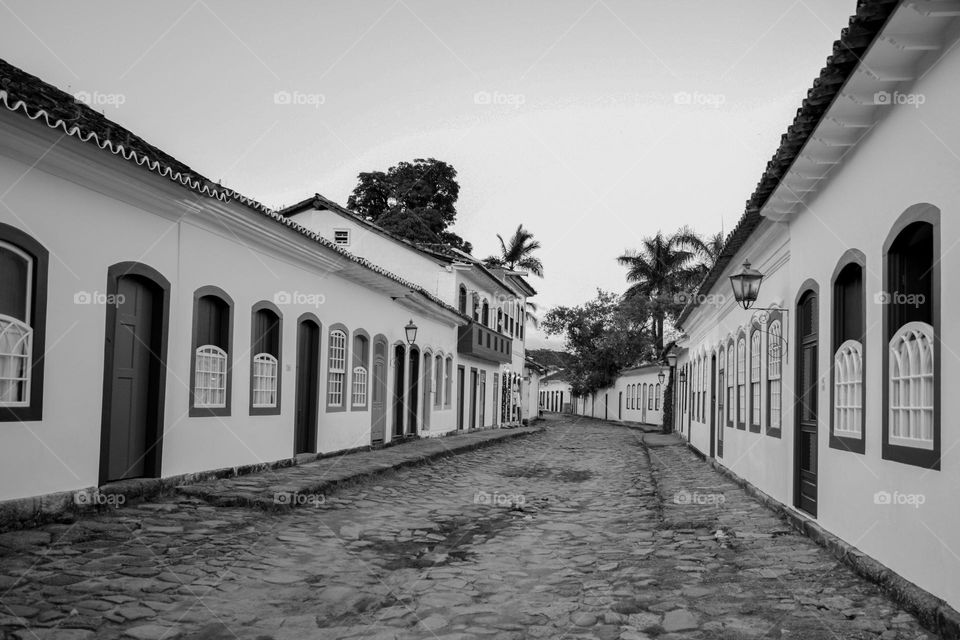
(932, 612)
(256, 497)
(33, 511)
(672, 516)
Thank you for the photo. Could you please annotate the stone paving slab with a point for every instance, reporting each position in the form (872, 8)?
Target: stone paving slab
(304, 484)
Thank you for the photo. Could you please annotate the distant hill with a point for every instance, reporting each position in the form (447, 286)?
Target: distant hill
(550, 358)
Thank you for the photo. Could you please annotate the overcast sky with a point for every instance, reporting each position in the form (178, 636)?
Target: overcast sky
(592, 122)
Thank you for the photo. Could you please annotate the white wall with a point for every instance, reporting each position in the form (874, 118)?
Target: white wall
(904, 161)
(88, 228)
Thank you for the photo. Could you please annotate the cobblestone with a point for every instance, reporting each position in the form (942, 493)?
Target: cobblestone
(564, 533)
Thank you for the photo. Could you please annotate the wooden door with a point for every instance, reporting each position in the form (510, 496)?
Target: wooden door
(308, 388)
(132, 432)
(460, 398)
(807, 381)
(378, 394)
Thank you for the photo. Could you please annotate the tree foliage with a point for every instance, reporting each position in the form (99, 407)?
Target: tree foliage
(416, 200)
(518, 252)
(603, 335)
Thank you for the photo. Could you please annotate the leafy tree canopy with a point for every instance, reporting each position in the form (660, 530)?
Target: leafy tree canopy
(416, 200)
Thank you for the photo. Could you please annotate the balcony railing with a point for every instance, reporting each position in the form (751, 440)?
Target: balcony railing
(482, 342)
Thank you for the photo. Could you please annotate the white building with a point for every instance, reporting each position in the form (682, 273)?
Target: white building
(832, 394)
(636, 396)
(154, 324)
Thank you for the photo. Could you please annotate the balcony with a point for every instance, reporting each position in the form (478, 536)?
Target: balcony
(477, 341)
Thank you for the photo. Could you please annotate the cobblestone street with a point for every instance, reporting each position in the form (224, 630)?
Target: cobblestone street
(558, 534)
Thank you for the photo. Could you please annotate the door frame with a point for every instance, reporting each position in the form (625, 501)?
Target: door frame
(382, 385)
(154, 455)
(461, 401)
(713, 404)
(809, 288)
(313, 436)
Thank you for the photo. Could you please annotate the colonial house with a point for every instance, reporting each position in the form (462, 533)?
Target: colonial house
(830, 393)
(154, 323)
(636, 396)
(490, 348)
(555, 393)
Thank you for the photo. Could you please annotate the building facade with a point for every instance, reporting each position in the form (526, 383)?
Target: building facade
(636, 396)
(830, 394)
(204, 331)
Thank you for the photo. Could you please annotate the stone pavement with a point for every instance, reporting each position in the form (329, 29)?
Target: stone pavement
(555, 535)
(281, 488)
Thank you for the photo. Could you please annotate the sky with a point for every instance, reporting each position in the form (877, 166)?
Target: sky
(594, 123)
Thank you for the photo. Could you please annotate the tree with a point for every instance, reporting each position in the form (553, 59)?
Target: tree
(518, 253)
(664, 268)
(416, 200)
(603, 336)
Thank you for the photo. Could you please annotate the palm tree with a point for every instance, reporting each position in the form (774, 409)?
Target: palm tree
(518, 253)
(664, 267)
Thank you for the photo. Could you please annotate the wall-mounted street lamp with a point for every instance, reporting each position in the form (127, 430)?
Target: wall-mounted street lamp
(746, 285)
(746, 289)
(683, 376)
(411, 331)
(661, 376)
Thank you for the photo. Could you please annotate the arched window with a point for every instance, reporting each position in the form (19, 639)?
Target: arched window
(212, 360)
(485, 313)
(359, 389)
(756, 355)
(741, 382)
(774, 373)
(650, 397)
(731, 384)
(476, 306)
(448, 383)
(462, 301)
(656, 406)
(336, 369)
(721, 387)
(265, 330)
(500, 319)
(23, 303)
(848, 335)
(911, 427)
(438, 381)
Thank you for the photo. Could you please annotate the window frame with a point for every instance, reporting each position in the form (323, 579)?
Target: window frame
(925, 458)
(342, 230)
(448, 382)
(264, 305)
(209, 412)
(345, 393)
(756, 383)
(839, 440)
(361, 360)
(741, 393)
(731, 389)
(773, 317)
(23, 243)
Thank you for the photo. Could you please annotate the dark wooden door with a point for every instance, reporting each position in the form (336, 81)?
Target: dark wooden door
(460, 392)
(718, 398)
(378, 403)
(308, 388)
(399, 367)
(131, 436)
(413, 397)
(713, 405)
(807, 380)
(473, 398)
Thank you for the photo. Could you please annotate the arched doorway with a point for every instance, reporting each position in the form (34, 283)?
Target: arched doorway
(134, 378)
(807, 381)
(399, 387)
(308, 384)
(378, 392)
(413, 396)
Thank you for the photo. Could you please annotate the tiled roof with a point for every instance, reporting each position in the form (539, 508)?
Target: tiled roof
(854, 41)
(28, 95)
